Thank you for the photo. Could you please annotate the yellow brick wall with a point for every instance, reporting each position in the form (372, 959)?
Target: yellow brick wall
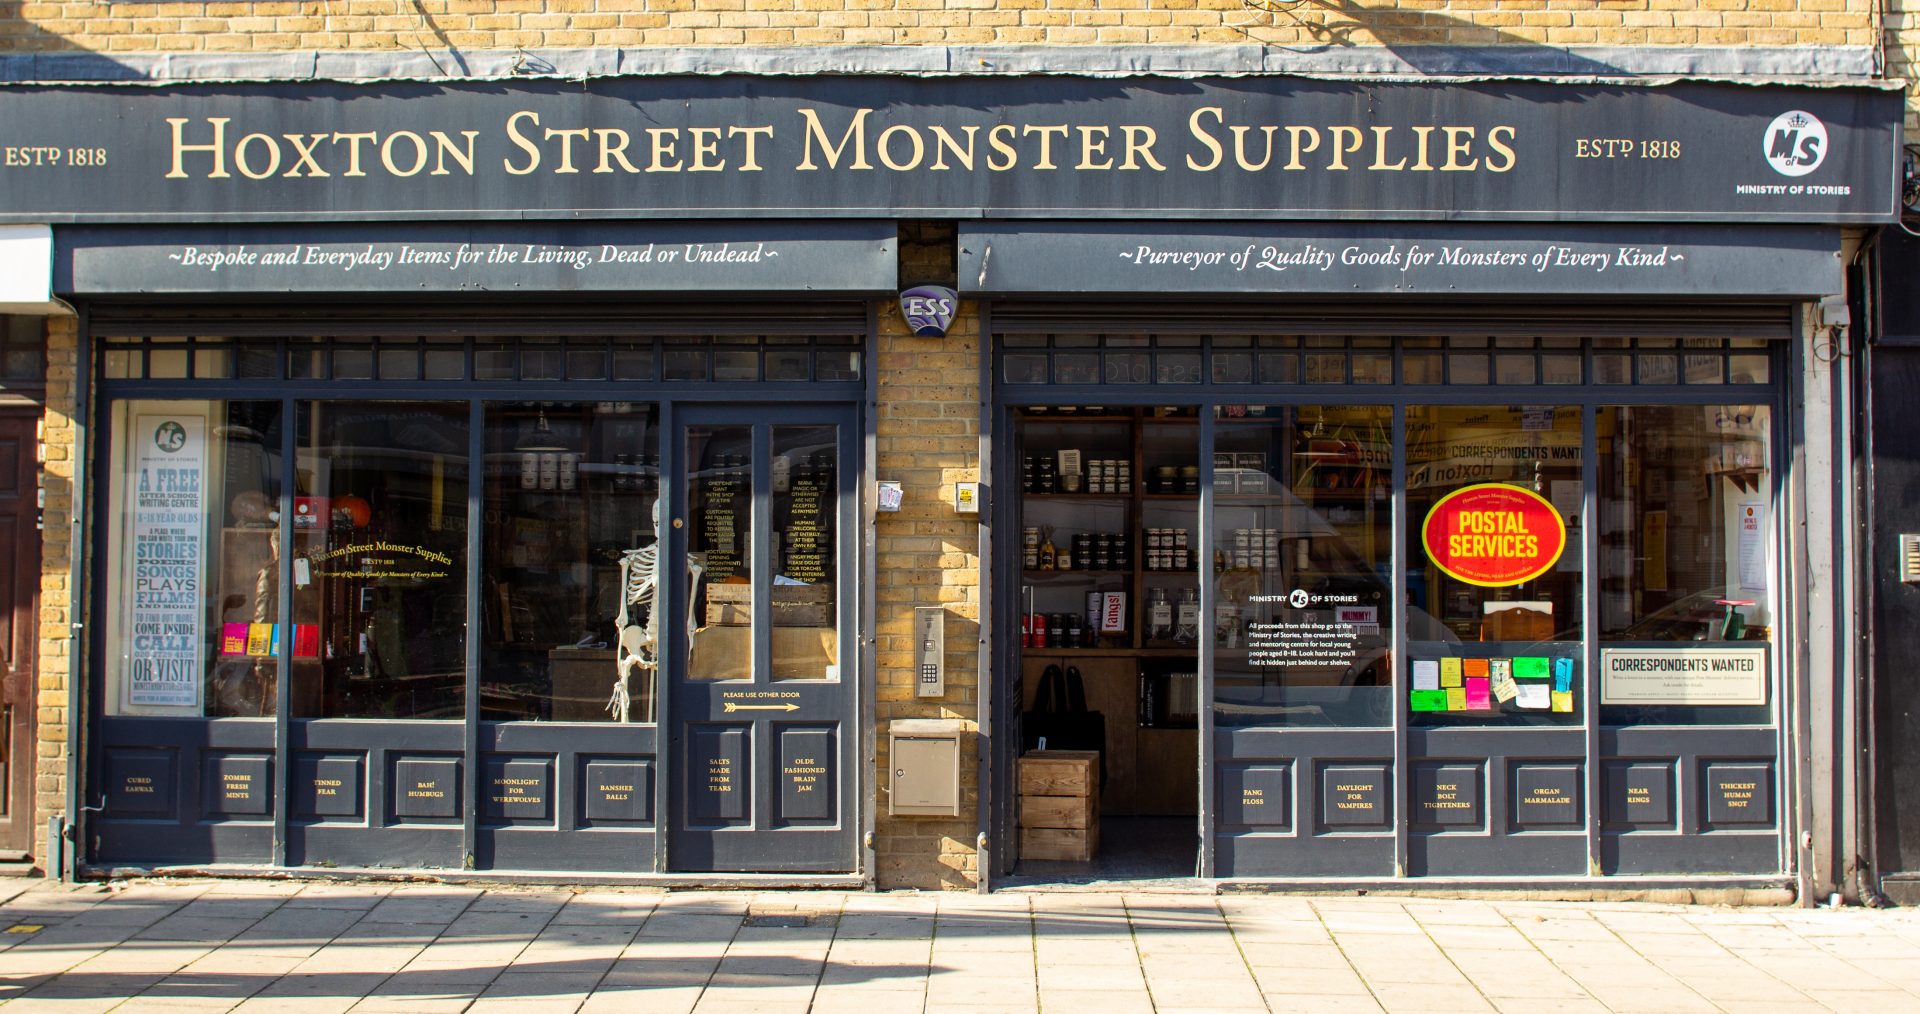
(99, 26)
(928, 438)
(56, 629)
(1903, 56)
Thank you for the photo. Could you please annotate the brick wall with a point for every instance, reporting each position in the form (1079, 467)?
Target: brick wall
(98, 26)
(928, 438)
(1903, 56)
(56, 615)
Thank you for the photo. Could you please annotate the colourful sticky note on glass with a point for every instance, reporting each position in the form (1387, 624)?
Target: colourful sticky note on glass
(1563, 667)
(1562, 682)
(1449, 670)
(1500, 667)
(1426, 674)
(1456, 699)
(1563, 702)
(1530, 667)
(1478, 698)
(1427, 700)
(1532, 696)
(1472, 667)
(1505, 689)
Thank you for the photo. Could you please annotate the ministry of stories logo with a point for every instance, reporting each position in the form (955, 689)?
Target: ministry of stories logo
(1795, 143)
(170, 437)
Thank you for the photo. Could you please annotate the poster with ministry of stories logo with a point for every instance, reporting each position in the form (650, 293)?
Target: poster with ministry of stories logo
(166, 531)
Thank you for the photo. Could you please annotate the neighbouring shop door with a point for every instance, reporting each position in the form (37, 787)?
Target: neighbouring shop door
(762, 700)
(19, 576)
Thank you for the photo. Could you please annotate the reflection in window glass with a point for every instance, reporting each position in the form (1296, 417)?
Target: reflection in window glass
(195, 528)
(719, 464)
(1685, 533)
(380, 511)
(1302, 563)
(806, 509)
(570, 491)
(1494, 651)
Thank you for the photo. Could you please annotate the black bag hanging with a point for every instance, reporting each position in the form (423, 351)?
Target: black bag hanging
(1060, 716)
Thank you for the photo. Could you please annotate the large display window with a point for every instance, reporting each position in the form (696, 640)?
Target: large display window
(1488, 614)
(398, 601)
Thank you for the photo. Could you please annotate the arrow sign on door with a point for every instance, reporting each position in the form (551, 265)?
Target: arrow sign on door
(732, 707)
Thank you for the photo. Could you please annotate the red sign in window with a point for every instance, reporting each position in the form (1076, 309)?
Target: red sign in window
(1494, 535)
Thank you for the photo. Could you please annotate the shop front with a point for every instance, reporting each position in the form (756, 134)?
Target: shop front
(531, 587)
(1418, 479)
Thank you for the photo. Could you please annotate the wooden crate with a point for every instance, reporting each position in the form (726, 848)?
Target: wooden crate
(1060, 805)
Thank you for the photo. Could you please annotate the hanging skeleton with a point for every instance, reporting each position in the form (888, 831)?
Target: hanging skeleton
(639, 643)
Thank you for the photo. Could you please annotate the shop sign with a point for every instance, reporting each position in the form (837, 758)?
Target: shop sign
(929, 309)
(423, 258)
(1683, 675)
(167, 532)
(1494, 535)
(1494, 259)
(1042, 146)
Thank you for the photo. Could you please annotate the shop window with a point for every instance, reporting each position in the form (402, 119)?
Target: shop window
(194, 533)
(1495, 580)
(22, 349)
(1302, 565)
(569, 573)
(1685, 550)
(720, 545)
(380, 519)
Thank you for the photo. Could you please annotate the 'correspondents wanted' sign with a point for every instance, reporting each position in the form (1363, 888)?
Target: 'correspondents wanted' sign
(166, 531)
(1683, 675)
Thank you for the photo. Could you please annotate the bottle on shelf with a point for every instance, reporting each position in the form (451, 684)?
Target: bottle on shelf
(1049, 555)
(1186, 622)
(1159, 616)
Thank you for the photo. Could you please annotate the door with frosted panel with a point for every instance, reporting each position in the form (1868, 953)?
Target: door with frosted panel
(1302, 629)
(763, 713)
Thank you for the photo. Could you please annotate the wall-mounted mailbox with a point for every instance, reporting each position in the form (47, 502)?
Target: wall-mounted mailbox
(925, 761)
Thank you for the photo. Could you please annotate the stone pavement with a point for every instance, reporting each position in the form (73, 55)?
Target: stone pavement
(298, 947)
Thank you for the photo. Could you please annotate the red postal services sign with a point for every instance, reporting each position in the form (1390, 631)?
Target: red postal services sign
(1494, 535)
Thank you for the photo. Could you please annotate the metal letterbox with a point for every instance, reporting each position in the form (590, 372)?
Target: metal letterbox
(924, 756)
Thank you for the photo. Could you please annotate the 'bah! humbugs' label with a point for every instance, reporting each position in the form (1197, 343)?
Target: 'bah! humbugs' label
(1494, 535)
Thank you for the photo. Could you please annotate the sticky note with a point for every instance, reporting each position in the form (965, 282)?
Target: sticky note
(1449, 672)
(1533, 696)
(1500, 667)
(1456, 699)
(1563, 702)
(1472, 667)
(1562, 682)
(1476, 689)
(1426, 674)
(1505, 689)
(1530, 667)
(1563, 667)
(1427, 700)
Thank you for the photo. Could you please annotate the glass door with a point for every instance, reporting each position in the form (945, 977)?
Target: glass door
(763, 708)
(1497, 694)
(1301, 554)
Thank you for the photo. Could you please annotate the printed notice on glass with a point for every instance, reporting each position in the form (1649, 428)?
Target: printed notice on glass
(1753, 545)
(1310, 630)
(166, 531)
(1687, 676)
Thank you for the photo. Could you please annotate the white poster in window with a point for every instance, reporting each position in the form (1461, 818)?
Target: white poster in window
(1683, 676)
(166, 532)
(1753, 544)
